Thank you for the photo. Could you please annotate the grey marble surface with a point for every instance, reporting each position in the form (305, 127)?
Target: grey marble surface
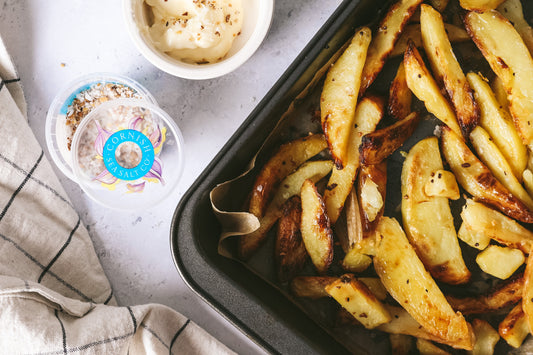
(54, 41)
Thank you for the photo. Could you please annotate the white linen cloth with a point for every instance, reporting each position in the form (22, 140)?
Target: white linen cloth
(54, 295)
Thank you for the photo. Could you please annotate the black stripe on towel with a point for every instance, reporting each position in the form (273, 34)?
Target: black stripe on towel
(59, 252)
(63, 332)
(134, 320)
(177, 335)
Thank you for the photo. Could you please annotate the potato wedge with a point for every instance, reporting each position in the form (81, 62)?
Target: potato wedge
(505, 294)
(354, 224)
(512, 10)
(440, 5)
(340, 94)
(408, 282)
(426, 89)
(355, 261)
(514, 328)
(289, 187)
(372, 192)
(401, 344)
(400, 97)
(527, 177)
(313, 287)
(447, 69)
(527, 292)
(496, 120)
(425, 347)
(354, 296)
(491, 156)
(501, 94)
(480, 5)
(285, 161)
(477, 179)
(289, 252)
(369, 112)
(486, 338)
(315, 227)
(412, 32)
(510, 59)
(479, 218)
(443, 184)
(500, 262)
(387, 35)
(476, 239)
(379, 145)
(436, 244)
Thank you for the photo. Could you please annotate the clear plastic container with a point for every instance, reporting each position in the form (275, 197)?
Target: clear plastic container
(127, 154)
(58, 133)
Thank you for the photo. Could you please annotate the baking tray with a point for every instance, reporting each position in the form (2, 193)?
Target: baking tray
(258, 309)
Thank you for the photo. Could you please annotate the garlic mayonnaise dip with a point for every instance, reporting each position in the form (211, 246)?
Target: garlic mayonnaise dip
(197, 31)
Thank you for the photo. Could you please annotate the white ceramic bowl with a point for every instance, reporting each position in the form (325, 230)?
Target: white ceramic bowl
(257, 19)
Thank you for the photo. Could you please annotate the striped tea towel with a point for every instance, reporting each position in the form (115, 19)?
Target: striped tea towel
(54, 295)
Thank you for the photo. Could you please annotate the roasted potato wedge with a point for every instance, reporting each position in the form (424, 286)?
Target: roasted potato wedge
(369, 112)
(425, 88)
(496, 121)
(354, 296)
(493, 158)
(486, 338)
(412, 32)
(400, 96)
(313, 287)
(353, 223)
(340, 94)
(379, 145)
(500, 262)
(527, 178)
(514, 328)
(527, 292)
(443, 184)
(401, 344)
(289, 252)
(436, 244)
(356, 261)
(408, 282)
(479, 218)
(425, 347)
(372, 192)
(480, 5)
(289, 187)
(315, 228)
(500, 93)
(387, 35)
(505, 294)
(476, 239)
(477, 179)
(447, 69)
(510, 59)
(289, 157)
(512, 10)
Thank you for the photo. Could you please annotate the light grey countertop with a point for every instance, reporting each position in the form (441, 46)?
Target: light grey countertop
(53, 42)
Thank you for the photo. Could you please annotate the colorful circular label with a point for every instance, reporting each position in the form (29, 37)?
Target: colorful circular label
(110, 160)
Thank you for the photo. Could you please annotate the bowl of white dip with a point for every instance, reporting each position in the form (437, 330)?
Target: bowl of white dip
(198, 39)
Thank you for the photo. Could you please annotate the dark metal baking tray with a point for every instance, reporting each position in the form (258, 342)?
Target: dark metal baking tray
(257, 308)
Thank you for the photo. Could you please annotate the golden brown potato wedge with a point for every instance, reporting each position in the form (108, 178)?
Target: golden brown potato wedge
(425, 88)
(340, 94)
(480, 5)
(501, 94)
(372, 192)
(285, 161)
(425, 347)
(527, 178)
(315, 227)
(313, 287)
(352, 219)
(500, 262)
(412, 32)
(354, 296)
(440, 5)
(290, 186)
(505, 294)
(481, 219)
(387, 35)
(510, 59)
(447, 69)
(496, 120)
(401, 344)
(436, 244)
(476, 239)
(512, 10)
(527, 292)
(289, 252)
(477, 179)
(408, 282)
(442, 184)
(356, 261)
(486, 338)
(369, 112)
(400, 96)
(514, 328)
(493, 158)
(379, 145)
